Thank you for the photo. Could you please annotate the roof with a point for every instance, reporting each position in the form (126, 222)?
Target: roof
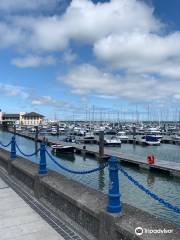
(10, 115)
(32, 114)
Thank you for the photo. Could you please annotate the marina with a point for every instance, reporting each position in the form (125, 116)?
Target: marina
(158, 181)
(90, 120)
(161, 164)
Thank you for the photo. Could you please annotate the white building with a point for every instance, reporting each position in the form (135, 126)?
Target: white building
(27, 119)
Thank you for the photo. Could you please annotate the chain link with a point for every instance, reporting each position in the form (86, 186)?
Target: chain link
(5, 145)
(148, 192)
(73, 171)
(27, 155)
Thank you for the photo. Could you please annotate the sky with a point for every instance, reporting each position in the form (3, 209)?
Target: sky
(62, 57)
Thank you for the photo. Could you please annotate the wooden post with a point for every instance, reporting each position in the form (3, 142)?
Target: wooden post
(101, 144)
(14, 128)
(134, 134)
(36, 138)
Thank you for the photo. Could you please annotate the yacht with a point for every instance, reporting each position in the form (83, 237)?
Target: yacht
(176, 136)
(58, 148)
(89, 136)
(154, 132)
(150, 140)
(54, 130)
(113, 141)
(122, 136)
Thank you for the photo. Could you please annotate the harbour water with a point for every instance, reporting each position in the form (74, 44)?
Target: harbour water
(165, 186)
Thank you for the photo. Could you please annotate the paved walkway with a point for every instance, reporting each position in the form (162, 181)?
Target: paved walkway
(18, 221)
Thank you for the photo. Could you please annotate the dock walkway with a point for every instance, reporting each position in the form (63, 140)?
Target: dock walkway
(173, 168)
(18, 221)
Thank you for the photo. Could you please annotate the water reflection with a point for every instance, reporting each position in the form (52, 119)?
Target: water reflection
(150, 179)
(101, 178)
(66, 157)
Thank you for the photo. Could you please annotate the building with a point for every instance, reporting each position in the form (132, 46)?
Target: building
(28, 119)
(31, 119)
(10, 117)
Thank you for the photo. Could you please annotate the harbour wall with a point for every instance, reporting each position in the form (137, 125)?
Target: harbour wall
(84, 206)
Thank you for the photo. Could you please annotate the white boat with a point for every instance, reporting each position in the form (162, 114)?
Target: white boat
(112, 141)
(89, 136)
(122, 136)
(18, 128)
(176, 137)
(54, 131)
(32, 130)
(154, 132)
(150, 140)
(58, 148)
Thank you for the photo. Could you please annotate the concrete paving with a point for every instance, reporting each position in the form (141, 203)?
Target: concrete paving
(18, 221)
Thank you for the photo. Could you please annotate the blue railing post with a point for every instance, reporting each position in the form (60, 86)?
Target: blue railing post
(42, 163)
(13, 148)
(114, 205)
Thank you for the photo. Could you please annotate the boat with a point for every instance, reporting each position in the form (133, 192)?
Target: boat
(69, 139)
(154, 132)
(122, 136)
(59, 148)
(32, 130)
(110, 132)
(54, 132)
(150, 140)
(176, 136)
(113, 141)
(89, 136)
(18, 128)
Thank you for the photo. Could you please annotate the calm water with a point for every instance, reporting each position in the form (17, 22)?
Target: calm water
(163, 185)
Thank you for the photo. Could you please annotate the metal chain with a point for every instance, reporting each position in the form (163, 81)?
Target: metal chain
(27, 155)
(5, 145)
(148, 192)
(76, 172)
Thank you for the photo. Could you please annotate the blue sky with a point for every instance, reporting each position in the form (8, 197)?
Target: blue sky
(63, 57)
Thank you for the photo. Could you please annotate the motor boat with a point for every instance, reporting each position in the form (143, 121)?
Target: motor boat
(154, 132)
(150, 140)
(59, 148)
(113, 141)
(32, 130)
(89, 136)
(69, 139)
(122, 136)
(54, 132)
(176, 136)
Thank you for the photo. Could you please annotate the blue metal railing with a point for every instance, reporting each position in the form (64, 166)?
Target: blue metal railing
(114, 203)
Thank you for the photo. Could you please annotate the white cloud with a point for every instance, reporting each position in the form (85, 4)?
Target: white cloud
(87, 79)
(10, 36)
(33, 61)
(141, 53)
(44, 100)
(87, 22)
(125, 36)
(13, 91)
(69, 56)
(17, 5)
(49, 101)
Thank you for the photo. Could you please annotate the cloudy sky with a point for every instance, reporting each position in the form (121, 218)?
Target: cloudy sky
(59, 56)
